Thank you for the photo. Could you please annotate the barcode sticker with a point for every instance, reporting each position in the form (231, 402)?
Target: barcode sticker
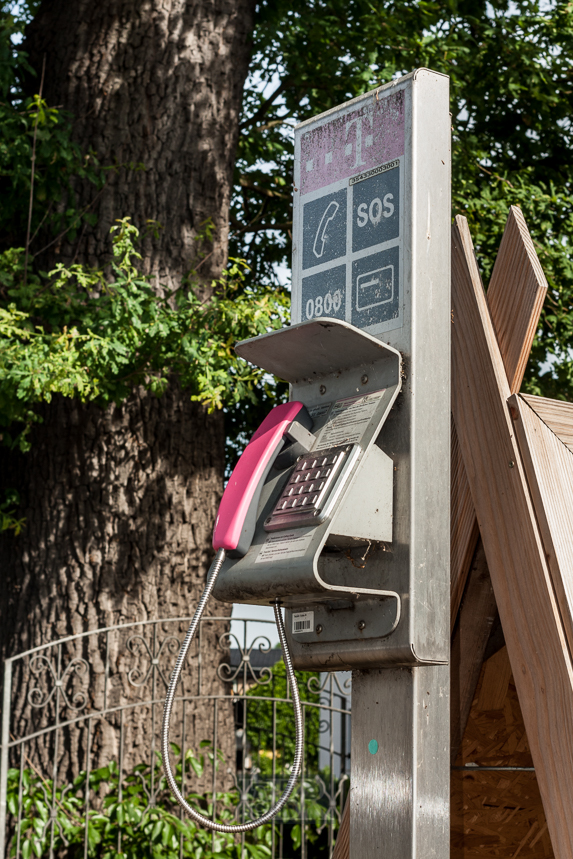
(302, 621)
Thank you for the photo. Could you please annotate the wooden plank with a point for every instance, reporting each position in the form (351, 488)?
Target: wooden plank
(520, 575)
(515, 297)
(495, 681)
(464, 531)
(469, 641)
(557, 414)
(549, 468)
(342, 846)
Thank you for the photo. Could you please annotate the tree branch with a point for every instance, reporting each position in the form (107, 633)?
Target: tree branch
(33, 173)
(266, 192)
(260, 227)
(258, 114)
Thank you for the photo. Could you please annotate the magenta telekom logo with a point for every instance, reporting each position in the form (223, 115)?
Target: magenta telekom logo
(352, 143)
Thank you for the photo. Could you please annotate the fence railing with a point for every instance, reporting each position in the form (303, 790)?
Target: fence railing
(77, 705)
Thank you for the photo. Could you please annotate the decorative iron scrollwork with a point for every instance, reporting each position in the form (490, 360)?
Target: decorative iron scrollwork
(40, 665)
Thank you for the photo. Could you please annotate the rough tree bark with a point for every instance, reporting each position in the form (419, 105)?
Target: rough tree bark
(120, 503)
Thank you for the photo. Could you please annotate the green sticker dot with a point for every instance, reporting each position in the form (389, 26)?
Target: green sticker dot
(373, 747)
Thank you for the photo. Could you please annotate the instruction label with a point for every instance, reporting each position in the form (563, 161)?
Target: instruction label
(349, 419)
(287, 544)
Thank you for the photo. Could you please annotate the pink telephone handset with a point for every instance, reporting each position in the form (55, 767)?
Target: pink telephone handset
(235, 525)
(234, 531)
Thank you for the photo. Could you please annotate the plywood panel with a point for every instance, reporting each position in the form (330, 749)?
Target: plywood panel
(497, 813)
(520, 575)
(557, 414)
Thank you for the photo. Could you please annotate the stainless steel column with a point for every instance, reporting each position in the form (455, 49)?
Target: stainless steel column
(400, 763)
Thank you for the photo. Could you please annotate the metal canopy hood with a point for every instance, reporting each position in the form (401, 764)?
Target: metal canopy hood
(309, 350)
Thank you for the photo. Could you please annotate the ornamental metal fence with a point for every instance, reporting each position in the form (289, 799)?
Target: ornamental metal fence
(80, 771)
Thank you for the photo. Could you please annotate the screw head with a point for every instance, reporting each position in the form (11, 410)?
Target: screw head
(511, 463)
(318, 628)
(361, 625)
(364, 379)
(322, 389)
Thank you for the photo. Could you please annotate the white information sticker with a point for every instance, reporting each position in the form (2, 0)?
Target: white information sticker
(302, 621)
(348, 419)
(286, 544)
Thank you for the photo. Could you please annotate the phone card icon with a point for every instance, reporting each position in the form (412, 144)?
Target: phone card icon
(376, 288)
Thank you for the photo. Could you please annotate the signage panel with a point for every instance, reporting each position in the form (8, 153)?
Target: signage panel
(350, 212)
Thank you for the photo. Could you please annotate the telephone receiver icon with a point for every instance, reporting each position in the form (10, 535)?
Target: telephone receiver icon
(320, 238)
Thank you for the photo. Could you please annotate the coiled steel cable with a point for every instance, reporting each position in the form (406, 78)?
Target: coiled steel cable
(299, 739)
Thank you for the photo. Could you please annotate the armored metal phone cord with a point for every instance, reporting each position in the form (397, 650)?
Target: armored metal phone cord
(299, 739)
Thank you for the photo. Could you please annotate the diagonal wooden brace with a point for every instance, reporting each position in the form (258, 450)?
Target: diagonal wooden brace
(534, 633)
(515, 297)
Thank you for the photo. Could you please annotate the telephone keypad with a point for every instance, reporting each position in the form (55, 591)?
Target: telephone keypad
(308, 488)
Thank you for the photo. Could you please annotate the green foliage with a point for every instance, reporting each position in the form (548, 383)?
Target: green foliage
(77, 333)
(264, 714)
(138, 817)
(510, 66)
(8, 507)
(57, 158)
(260, 720)
(84, 334)
(134, 819)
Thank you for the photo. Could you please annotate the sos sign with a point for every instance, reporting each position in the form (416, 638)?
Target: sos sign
(375, 210)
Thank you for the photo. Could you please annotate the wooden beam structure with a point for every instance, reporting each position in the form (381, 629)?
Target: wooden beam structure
(534, 631)
(515, 297)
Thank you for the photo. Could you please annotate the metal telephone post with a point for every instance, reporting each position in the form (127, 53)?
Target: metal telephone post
(383, 264)
(339, 508)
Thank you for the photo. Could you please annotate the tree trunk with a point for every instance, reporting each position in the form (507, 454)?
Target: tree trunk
(120, 503)
(155, 89)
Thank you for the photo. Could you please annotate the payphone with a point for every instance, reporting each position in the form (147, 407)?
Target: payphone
(298, 509)
(338, 510)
